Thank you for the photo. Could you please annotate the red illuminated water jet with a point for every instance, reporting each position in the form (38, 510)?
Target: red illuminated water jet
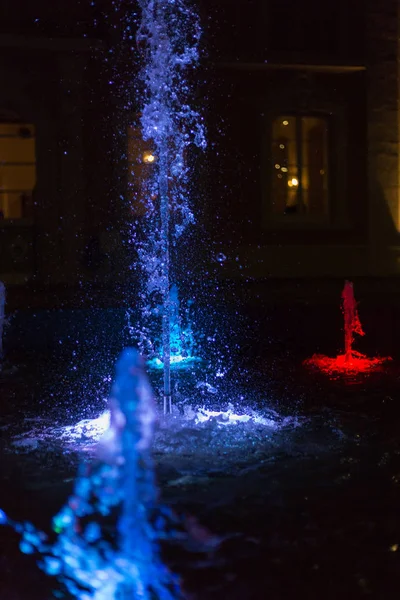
(351, 362)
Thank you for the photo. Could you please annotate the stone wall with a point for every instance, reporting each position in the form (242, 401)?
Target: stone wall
(57, 86)
(382, 33)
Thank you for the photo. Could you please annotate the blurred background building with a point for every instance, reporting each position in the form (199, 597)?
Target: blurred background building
(302, 173)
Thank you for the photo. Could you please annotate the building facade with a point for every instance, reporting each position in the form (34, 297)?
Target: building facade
(310, 105)
(302, 177)
(58, 117)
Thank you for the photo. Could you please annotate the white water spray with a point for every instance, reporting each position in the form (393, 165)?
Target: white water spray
(169, 31)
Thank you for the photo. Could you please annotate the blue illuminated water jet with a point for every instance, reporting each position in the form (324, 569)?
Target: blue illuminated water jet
(106, 544)
(182, 339)
(169, 35)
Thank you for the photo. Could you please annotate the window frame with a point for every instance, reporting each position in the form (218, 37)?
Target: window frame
(273, 220)
(23, 220)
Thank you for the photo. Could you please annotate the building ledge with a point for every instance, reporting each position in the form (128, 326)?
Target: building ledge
(283, 66)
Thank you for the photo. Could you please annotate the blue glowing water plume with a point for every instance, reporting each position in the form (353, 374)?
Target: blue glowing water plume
(3, 517)
(106, 544)
(183, 346)
(168, 37)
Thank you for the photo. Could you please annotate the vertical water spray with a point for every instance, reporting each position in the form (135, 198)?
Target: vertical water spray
(169, 36)
(105, 543)
(181, 336)
(351, 362)
(352, 322)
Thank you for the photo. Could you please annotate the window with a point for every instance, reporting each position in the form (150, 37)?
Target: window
(17, 170)
(300, 166)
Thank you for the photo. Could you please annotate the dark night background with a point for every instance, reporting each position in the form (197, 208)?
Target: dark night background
(335, 63)
(298, 190)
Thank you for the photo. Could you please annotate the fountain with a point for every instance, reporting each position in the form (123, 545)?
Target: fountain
(351, 362)
(352, 324)
(182, 341)
(107, 534)
(169, 35)
(168, 38)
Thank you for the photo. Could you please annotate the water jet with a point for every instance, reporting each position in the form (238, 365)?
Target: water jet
(106, 545)
(350, 362)
(169, 35)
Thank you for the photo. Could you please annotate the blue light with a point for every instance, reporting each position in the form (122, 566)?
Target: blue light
(26, 548)
(182, 341)
(119, 485)
(179, 362)
(124, 561)
(169, 35)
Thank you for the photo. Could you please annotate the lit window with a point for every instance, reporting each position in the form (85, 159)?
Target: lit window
(300, 147)
(148, 158)
(17, 170)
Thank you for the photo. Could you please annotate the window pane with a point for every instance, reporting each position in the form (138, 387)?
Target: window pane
(285, 174)
(15, 205)
(300, 166)
(21, 130)
(17, 177)
(16, 150)
(314, 165)
(17, 170)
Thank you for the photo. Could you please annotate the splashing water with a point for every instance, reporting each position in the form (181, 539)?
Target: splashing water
(106, 545)
(169, 35)
(206, 438)
(352, 322)
(182, 341)
(351, 362)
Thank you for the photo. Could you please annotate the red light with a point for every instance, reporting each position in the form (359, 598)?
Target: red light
(351, 362)
(358, 363)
